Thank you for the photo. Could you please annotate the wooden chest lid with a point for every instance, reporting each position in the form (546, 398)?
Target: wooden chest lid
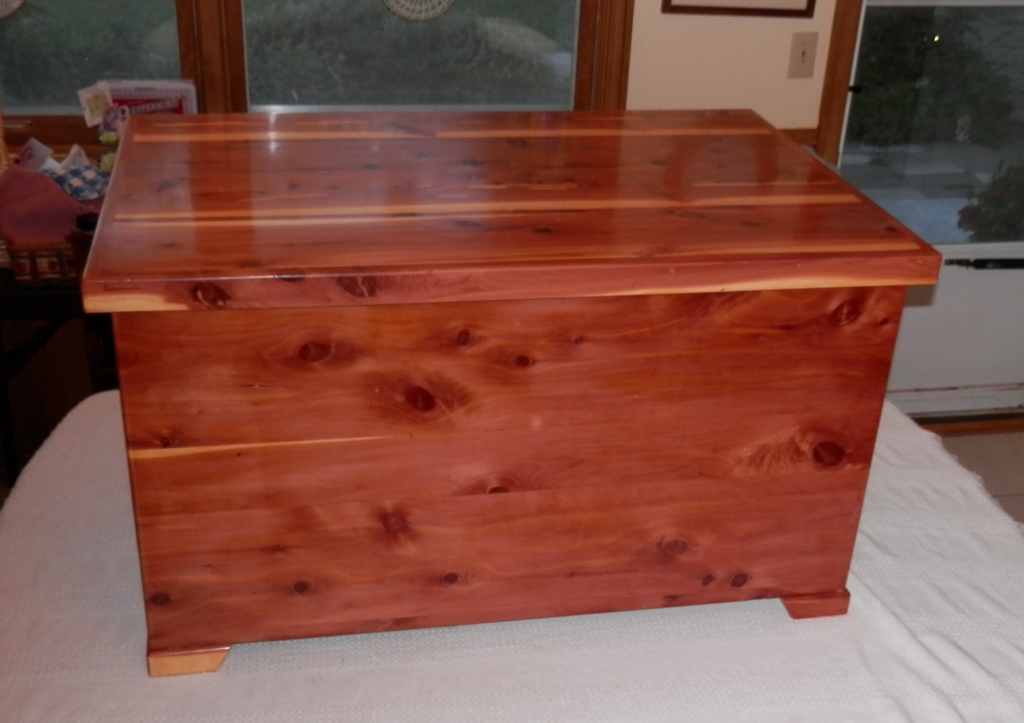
(257, 211)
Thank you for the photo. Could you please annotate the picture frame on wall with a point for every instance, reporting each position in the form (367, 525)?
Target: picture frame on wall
(777, 8)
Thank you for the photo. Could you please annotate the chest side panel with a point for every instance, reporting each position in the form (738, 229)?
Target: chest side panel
(322, 471)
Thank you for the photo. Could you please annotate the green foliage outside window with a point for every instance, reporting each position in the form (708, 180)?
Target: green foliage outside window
(996, 212)
(51, 48)
(302, 52)
(327, 52)
(924, 78)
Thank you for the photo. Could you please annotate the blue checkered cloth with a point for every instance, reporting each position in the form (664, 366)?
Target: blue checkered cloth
(82, 183)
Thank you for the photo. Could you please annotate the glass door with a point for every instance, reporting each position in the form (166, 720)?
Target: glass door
(935, 135)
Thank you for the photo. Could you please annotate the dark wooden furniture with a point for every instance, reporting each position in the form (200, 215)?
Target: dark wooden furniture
(394, 371)
(52, 306)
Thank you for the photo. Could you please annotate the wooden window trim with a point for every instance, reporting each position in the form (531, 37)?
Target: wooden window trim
(211, 38)
(602, 55)
(212, 46)
(215, 57)
(838, 71)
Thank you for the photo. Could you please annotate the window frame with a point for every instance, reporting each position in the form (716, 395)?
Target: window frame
(211, 43)
(838, 75)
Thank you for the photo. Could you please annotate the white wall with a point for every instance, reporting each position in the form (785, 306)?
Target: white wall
(961, 342)
(720, 61)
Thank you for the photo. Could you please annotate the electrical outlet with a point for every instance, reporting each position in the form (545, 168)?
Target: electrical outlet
(801, 55)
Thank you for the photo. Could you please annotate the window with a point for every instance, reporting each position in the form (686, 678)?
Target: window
(51, 48)
(210, 36)
(935, 133)
(355, 53)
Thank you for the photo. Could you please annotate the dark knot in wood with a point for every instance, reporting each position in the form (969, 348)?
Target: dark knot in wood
(361, 287)
(522, 361)
(494, 485)
(301, 587)
(161, 598)
(395, 523)
(420, 399)
(674, 547)
(450, 578)
(707, 580)
(847, 312)
(464, 337)
(210, 295)
(828, 454)
(168, 441)
(739, 580)
(314, 351)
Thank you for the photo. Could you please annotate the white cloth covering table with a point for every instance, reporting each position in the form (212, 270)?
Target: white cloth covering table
(935, 630)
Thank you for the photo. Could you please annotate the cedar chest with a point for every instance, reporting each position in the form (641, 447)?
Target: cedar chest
(388, 371)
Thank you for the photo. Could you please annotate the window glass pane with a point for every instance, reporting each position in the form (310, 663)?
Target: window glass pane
(508, 53)
(49, 49)
(936, 131)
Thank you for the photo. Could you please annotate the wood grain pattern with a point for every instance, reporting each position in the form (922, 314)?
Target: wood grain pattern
(163, 664)
(393, 371)
(604, 34)
(458, 463)
(334, 569)
(842, 47)
(817, 605)
(444, 207)
(486, 366)
(211, 41)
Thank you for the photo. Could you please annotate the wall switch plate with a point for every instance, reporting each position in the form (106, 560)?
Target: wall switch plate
(801, 55)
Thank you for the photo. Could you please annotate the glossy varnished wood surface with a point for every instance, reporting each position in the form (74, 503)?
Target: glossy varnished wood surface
(305, 472)
(458, 368)
(241, 212)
